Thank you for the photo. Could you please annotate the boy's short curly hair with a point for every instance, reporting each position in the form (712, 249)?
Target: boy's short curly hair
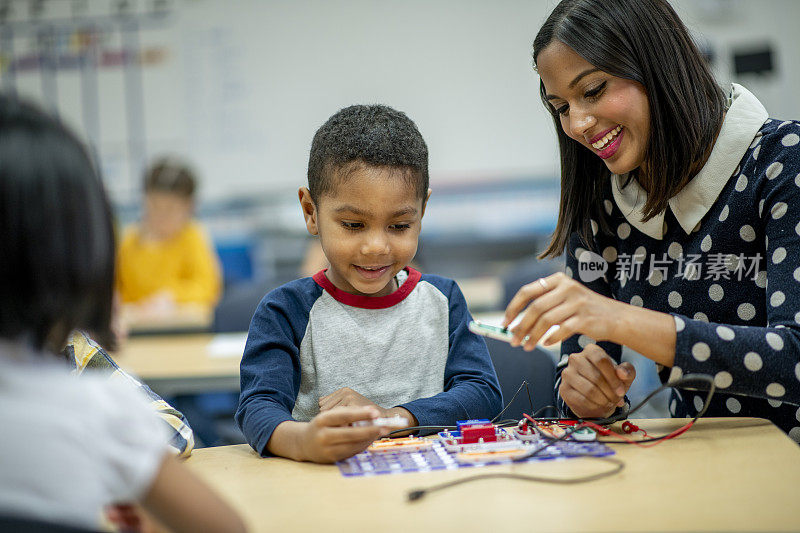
(375, 135)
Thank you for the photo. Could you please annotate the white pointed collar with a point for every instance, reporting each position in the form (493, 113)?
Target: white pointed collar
(744, 118)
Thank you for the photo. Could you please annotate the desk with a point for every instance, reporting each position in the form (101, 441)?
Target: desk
(732, 474)
(183, 364)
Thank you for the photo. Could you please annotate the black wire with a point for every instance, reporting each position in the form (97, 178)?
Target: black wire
(689, 378)
(415, 495)
(523, 384)
(536, 414)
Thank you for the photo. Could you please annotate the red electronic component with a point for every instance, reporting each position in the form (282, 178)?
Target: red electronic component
(475, 432)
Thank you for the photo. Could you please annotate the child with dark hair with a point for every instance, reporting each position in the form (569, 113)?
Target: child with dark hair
(368, 336)
(167, 261)
(688, 193)
(71, 447)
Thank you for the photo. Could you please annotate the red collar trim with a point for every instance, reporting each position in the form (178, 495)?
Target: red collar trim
(369, 302)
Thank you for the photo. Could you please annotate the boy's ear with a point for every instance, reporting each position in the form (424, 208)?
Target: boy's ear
(425, 202)
(309, 210)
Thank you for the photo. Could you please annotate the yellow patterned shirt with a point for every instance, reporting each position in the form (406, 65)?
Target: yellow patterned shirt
(84, 353)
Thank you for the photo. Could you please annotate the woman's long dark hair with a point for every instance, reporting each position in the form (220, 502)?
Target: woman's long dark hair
(644, 41)
(56, 236)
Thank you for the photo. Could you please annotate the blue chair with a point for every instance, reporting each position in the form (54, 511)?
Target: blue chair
(513, 366)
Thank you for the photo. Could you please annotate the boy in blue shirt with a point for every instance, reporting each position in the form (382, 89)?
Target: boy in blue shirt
(369, 336)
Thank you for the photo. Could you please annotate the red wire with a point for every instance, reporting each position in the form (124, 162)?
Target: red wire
(605, 431)
(672, 435)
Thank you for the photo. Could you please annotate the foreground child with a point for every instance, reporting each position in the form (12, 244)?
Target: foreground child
(71, 447)
(368, 336)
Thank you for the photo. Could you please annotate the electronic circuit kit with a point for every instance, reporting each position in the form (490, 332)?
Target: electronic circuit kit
(476, 443)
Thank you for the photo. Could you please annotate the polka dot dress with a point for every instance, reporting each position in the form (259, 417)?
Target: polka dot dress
(732, 285)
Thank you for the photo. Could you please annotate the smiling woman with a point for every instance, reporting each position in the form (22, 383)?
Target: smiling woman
(683, 189)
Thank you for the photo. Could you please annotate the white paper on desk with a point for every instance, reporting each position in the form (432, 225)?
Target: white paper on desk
(227, 345)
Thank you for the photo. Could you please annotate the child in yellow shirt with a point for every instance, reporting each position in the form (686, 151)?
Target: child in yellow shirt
(167, 260)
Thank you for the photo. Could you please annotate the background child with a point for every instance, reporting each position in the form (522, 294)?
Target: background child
(368, 336)
(71, 447)
(167, 260)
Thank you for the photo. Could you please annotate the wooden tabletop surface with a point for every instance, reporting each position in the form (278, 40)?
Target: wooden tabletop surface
(734, 474)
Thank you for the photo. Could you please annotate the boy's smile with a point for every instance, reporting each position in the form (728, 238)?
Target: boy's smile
(368, 227)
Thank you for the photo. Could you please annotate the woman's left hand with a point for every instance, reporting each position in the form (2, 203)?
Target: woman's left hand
(562, 301)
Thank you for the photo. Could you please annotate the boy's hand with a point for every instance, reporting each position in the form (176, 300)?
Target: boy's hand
(328, 437)
(347, 397)
(593, 385)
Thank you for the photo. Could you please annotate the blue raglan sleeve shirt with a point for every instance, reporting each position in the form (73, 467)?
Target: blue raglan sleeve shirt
(471, 389)
(270, 368)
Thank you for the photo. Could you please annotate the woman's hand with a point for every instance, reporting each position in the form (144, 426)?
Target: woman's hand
(593, 385)
(560, 300)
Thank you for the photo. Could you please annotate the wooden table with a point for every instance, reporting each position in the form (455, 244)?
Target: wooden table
(734, 474)
(184, 363)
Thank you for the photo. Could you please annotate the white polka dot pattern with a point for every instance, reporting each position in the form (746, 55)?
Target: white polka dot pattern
(790, 140)
(675, 250)
(723, 380)
(778, 210)
(733, 405)
(584, 341)
(776, 390)
(777, 299)
(752, 362)
(675, 299)
(725, 333)
(716, 292)
(774, 170)
(655, 278)
(775, 341)
(744, 327)
(746, 311)
(701, 351)
(698, 403)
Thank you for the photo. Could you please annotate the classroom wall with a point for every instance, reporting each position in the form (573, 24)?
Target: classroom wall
(239, 87)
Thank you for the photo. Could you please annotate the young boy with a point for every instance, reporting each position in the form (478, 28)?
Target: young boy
(368, 336)
(167, 261)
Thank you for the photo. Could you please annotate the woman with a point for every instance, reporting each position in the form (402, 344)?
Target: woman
(686, 195)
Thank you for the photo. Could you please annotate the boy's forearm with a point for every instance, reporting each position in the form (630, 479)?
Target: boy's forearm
(287, 440)
(405, 413)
